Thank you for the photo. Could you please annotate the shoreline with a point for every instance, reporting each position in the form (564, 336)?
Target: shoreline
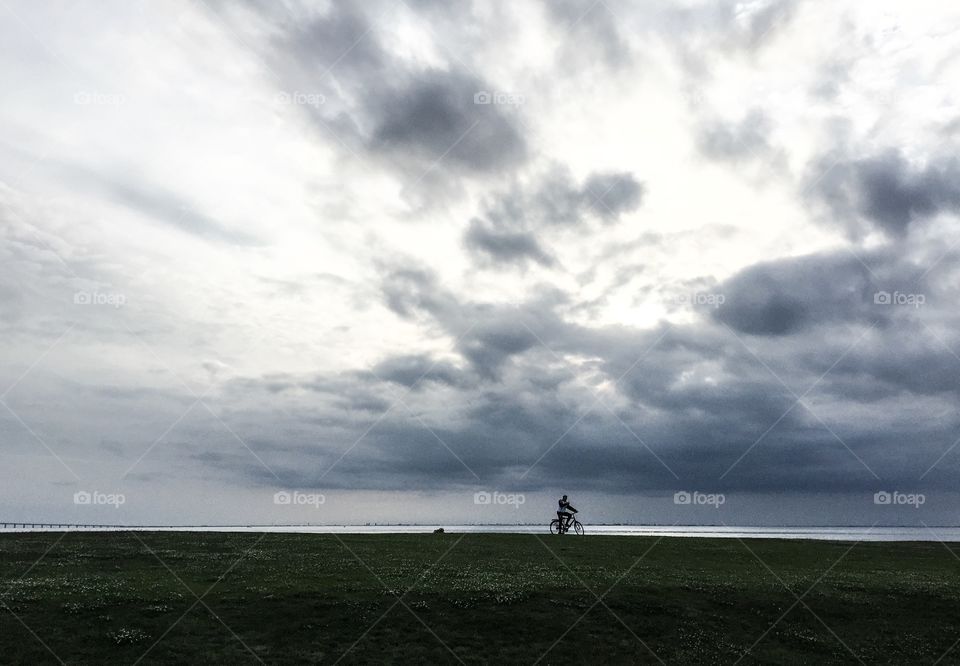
(885, 534)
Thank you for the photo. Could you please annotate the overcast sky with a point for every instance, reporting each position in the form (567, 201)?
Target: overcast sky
(398, 252)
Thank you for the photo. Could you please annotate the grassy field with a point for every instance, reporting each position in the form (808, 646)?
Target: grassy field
(482, 598)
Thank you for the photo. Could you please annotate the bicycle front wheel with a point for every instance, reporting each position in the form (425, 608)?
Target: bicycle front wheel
(578, 528)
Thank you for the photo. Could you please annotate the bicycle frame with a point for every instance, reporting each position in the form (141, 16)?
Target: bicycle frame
(564, 527)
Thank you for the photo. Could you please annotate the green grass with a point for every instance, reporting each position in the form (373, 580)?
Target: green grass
(480, 598)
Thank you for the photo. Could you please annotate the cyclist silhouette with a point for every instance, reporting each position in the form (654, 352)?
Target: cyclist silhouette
(564, 510)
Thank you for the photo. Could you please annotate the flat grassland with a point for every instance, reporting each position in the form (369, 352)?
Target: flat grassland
(191, 597)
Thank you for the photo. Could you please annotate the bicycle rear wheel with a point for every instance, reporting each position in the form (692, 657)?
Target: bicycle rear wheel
(578, 528)
(555, 526)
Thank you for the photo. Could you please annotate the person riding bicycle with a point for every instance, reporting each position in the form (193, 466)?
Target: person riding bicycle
(564, 510)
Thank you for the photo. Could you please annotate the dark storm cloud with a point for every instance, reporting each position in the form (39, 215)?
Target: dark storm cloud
(502, 246)
(792, 295)
(696, 395)
(339, 39)
(487, 335)
(434, 117)
(557, 200)
(378, 103)
(358, 392)
(886, 190)
(693, 406)
(514, 220)
(611, 194)
(414, 370)
(798, 307)
(785, 297)
(916, 360)
(509, 429)
(410, 289)
(495, 339)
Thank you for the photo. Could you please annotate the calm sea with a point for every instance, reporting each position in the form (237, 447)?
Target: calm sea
(951, 534)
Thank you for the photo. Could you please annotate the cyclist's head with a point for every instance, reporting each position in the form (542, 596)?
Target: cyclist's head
(564, 497)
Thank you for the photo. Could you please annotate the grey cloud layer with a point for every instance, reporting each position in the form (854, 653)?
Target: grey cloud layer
(406, 115)
(515, 222)
(703, 395)
(887, 191)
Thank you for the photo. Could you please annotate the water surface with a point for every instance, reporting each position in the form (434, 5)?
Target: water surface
(951, 534)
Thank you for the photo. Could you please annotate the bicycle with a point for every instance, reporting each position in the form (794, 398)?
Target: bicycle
(557, 528)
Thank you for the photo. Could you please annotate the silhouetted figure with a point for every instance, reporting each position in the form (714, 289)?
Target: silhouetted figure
(565, 513)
